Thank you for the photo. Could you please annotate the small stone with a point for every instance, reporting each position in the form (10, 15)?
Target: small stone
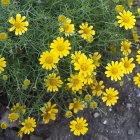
(130, 132)
(101, 137)
(96, 115)
(139, 124)
(110, 109)
(138, 95)
(104, 121)
(128, 105)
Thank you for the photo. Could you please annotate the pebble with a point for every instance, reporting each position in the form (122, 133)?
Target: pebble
(138, 95)
(96, 115)
(104, 121)
(130, 132)
(128, 105)
(139, 124)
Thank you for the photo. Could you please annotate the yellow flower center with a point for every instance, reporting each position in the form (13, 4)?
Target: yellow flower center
(28, 124)
(53, 81)
(79, 126)
(66, 27)
(49, 59)
(76, 105)
(126, 47)
(86, 31)
(126, 64)
(97, 87)
(126, 19)
(109, 97)
(114, 71)
(84, 66)
(75, 82)
(18, 25)
(60, 47)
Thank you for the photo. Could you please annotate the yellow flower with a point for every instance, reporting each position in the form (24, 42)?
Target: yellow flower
(95, 58)
(85, 65)
(128, 65)
(61, 18)
(28, 125)
(75, 82)
(53, 82)
(48, 60)
(3, 125)
(125, 47)
(112, 48)
(90, 39)
(76, 105)
(60, 47)
(110, 96)
(3, 36)
(126, 19)
(5, 77)
(138, 57)
(137, 79)
(19, 25)
(13, 117)
(119, 8)
(138, 10)
(86, 30)
(88, 98)
(75, 56)
(93, 105)
(24, 87)
(26, 82)
(89, 79)
(18, 108)
(135, 37)
(5, 2)
(79, 126)
(49, 112)
(68, 114)
(67, 28)
(20, 134)
(97, 88)
(2, 64)
(130, 3)
(114, 70)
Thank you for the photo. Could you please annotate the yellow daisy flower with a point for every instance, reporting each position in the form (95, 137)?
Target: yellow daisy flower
(67, 28)
(75, 82)
(95, 58)
(48, 60)
(119, 8)
(20, 133)
(3, 36)
(88, 98)
(138, 57)
(125, 47)
(112, 48)
(97, 88)
(128, 65)
(130, 3)
(114, 70)
(138, 10)
(137, 79)
(85, 65)
(61, 18)
(3, 125)
(135, 37)
(93, 105)
(110, 96)
(89, 79)
(5, 77)
(90, 39)
(60, 47)
(53, 82)
(18, 108)
(2, 64)
(79, 126)
(19, 25)
(75, 56)
(26, 82)
(68, 114)
(76, 105)
(5, 2)
(49, 112)
(86, 30)
(28, 125)
(126, 19)
(13, 117)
